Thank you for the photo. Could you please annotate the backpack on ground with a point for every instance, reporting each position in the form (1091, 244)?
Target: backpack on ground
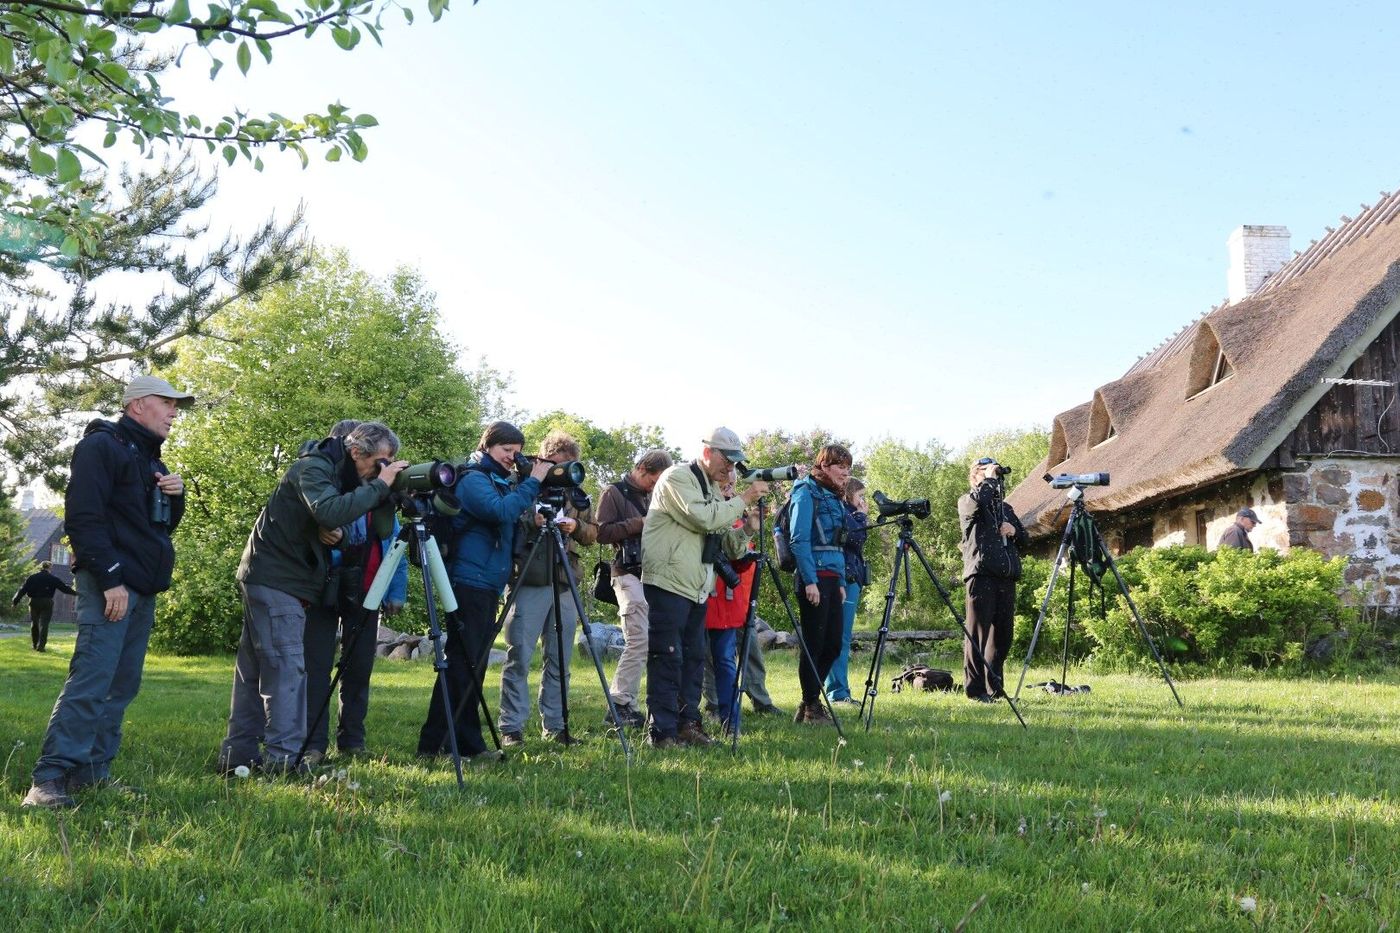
(924, 678)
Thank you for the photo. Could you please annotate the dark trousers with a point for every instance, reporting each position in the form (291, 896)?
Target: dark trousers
(469, 636)
(40, 612)
(991, 614)
(675, 660)
(359, 631)
(821, 630)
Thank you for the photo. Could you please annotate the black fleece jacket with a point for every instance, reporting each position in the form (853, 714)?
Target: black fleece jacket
(984, 550)
(107, 508)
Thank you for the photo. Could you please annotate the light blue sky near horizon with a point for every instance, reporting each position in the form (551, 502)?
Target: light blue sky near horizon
(917, 220)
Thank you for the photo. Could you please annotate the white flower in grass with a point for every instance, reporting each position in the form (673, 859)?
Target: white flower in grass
(841, 743)
(341, 774)
(1247, 904)
(857, 762)
(946, 796)
(1084, 887)
(578, 853)
(242, 771)
(1100, 813)
(353, 785)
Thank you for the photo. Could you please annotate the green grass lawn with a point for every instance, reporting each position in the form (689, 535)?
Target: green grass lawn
(1114, 811)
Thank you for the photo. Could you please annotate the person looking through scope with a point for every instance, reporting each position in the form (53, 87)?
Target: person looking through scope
(622, 511)
(356, 554)
(283, 570)
(991, 538)
(726, 611)
(688, 528)
(817, 532)
(838, 687)
(531, 617)
(483, 535)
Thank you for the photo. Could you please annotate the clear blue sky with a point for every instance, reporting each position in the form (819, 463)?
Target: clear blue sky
(922, 220)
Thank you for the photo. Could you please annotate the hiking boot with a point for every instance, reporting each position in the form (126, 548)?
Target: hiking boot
(352, 751)
(312, 757)
(627, 713)
(562, 737)
(767, 709)
(693, 734)
(48, 795)
(285, 767)
(512, 739)
(662, 741)
(801, 714)
(818, 714)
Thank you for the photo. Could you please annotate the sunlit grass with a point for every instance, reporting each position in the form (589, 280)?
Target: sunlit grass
(1263, 803)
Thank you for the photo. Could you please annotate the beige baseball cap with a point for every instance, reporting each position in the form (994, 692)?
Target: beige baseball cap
(142, 386)
(727, 443)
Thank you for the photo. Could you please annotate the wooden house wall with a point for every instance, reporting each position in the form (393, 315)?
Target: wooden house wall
(1364, 419)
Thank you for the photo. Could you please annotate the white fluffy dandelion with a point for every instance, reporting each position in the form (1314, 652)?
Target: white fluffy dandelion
(1247, 904)
(946, 796)
(242, 771)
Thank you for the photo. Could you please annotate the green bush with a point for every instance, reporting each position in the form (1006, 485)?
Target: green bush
(1226, 609)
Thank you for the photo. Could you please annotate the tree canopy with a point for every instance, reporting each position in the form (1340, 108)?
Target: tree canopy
(271, 374)
(66, 65)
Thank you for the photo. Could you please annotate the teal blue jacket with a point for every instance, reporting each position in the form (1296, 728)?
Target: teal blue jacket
(814, 515)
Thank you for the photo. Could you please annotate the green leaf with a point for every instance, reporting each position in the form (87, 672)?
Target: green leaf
(344, 37)
(333, 154)
(179, 12)
(70, 247)
(109, 140)
(149, 24)
(265, 48)
(69, 168)
(366, 119)
(408, 15)
(245, 57)
(7, 55)
(103, 41)
(214, 69)
(40, 162)
(436, 8)
(116, 72)
(230, 154)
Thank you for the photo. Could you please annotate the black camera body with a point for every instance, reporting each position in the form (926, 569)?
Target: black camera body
(890, 508)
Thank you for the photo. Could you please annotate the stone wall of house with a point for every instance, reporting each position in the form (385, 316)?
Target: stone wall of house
(1347, 506)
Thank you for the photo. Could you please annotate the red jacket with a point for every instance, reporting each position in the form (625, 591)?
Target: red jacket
(729, 609)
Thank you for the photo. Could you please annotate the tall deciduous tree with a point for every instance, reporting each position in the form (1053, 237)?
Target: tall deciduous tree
(337, 343)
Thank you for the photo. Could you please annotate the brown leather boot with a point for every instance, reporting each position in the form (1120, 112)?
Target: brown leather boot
(692, 733)
(817, 714)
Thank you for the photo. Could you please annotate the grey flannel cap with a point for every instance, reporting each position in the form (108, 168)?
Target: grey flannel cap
(727, 443)
(142, 386)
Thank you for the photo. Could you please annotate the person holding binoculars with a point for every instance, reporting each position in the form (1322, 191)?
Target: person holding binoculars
(817, 535)
(991, 537)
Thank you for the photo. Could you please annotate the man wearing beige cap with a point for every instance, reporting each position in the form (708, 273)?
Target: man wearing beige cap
(689, 526)
(120, 509)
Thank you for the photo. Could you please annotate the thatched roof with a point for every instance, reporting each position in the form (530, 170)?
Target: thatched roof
(1172, 430)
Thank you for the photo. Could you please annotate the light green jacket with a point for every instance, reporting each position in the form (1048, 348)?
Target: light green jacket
(673, 536)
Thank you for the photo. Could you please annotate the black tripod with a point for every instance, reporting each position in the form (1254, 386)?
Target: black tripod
(903, 546)
(1085, 546)
(560, 571)
(423, 550)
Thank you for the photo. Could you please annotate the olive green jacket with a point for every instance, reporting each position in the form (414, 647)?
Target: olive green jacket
(284, 551)
(682, 512)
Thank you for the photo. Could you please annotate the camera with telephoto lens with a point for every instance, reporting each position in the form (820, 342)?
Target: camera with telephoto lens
(726, 572)
(160, 507)
(889, 508)
(780, 474)
(1066, 480)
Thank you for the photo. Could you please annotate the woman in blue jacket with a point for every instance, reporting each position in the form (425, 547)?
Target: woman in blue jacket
(838, 687)
(483, 536)
(817, 532)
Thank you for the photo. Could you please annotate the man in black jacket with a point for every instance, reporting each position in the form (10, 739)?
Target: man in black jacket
(991, 535)
(284, 570)
(40, 587)
(120, 509)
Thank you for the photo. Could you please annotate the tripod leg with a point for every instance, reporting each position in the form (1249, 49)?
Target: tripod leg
(560, 665)
(1142, 628)
(1045, 605)
(1069, 621)
(568, 571)
(802, 644)
(877, 659)
(988, 675)
(741, 660)
(428, 556)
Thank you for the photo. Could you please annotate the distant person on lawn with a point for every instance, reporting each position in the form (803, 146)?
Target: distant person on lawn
(40, 587)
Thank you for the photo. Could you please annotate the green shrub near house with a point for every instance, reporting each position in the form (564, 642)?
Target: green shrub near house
(1226, 609)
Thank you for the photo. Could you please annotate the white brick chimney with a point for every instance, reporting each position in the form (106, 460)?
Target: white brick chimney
(1256, 252)
(26, 501)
